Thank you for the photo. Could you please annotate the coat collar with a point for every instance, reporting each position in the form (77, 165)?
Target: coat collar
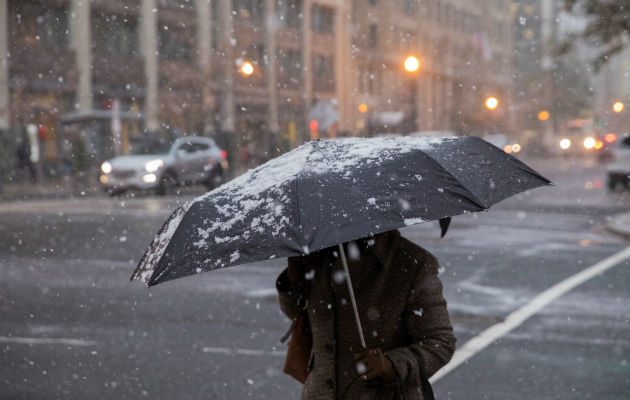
(385, 246)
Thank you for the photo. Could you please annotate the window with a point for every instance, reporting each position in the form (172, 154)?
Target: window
(114, 34)
(290, 13)
(249, 8)
(188, 147)
(409, 7)
(324, 74)
(373, 36)
(322, 19)
(290, 62)
(256, 53)
(322, 66)
(37, 24)
(176, 3)
(173, 44)
(52, 27)
(289, 68)
(200, 147)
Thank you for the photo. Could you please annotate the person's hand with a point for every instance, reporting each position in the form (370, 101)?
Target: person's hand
(372, 363)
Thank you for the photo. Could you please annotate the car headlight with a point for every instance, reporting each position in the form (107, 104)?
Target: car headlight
(154, 165)
(589, 143)
(106, 167)
(565, 144)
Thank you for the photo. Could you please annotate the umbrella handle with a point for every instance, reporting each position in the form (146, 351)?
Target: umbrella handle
(354, 302)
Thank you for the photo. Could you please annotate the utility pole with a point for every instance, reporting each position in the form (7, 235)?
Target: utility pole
(546, 31)
(204, 47)
(4, 67)
(148, 40)
(80, 34)
(307, 77)
(272, 77)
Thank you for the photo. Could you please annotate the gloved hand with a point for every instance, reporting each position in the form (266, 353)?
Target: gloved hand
(373, 364)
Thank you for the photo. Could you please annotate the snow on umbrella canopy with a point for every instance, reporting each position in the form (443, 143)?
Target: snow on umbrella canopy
(332, 191)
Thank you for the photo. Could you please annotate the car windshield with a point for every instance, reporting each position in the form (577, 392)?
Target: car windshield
(150, 147)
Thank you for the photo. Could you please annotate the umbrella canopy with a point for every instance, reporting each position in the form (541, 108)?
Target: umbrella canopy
(328, 192)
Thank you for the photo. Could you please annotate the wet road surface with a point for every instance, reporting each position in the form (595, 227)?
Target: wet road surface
(72, 326)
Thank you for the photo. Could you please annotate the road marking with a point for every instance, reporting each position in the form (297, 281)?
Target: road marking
(31, 341)
(516, 318)
(266, 292)
(243, 352)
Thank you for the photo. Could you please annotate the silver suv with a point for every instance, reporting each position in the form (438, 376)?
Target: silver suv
(154, 164)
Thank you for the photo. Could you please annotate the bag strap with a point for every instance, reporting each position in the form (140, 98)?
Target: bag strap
(301, 306)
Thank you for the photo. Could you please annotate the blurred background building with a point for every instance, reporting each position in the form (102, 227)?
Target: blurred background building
(251, 72)
(558, 91)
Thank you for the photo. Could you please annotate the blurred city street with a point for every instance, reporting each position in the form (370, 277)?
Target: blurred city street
(74, 327)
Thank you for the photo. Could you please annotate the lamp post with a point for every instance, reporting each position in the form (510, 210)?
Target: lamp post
(411, 64)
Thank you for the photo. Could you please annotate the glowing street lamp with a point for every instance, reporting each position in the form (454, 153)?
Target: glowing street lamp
(363, 108)
(247, 68)
(618, 107)
(543, 115)
(492, 103)
(412, 64)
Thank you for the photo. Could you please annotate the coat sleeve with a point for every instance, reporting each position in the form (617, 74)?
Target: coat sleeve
(427, 321)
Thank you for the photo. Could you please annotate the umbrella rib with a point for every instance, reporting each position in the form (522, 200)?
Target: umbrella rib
(472, 197)
(297, 197)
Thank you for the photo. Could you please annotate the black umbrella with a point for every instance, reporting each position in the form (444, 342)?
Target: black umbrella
(328, 192)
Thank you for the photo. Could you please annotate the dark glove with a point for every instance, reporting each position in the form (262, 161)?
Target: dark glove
(373, 364)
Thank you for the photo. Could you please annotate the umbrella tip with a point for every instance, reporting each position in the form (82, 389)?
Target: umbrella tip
(444, 223)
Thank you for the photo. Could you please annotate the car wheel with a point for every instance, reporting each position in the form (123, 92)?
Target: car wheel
(167, 184)
(215, 179)
(612, 183)
(114, 192)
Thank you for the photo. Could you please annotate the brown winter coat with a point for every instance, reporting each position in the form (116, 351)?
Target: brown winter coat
(402, 310)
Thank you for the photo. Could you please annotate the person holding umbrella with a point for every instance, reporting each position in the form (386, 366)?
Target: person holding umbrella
(404, 315)
(313, 205)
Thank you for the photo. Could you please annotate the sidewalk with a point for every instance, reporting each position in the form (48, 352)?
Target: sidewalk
(620, 224)
(47, 190)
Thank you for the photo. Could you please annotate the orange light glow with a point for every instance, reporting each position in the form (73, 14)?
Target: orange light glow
(412, 64)
(363, 108)
(618, 107)
(313, 125)
(598, 144)
(610, 137)
(492, 103)
(543, 115)
(247, 69)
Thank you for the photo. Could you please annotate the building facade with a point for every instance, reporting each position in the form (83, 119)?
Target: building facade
(177, 66)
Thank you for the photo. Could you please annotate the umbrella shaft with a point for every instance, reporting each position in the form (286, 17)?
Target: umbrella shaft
(354, 302)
